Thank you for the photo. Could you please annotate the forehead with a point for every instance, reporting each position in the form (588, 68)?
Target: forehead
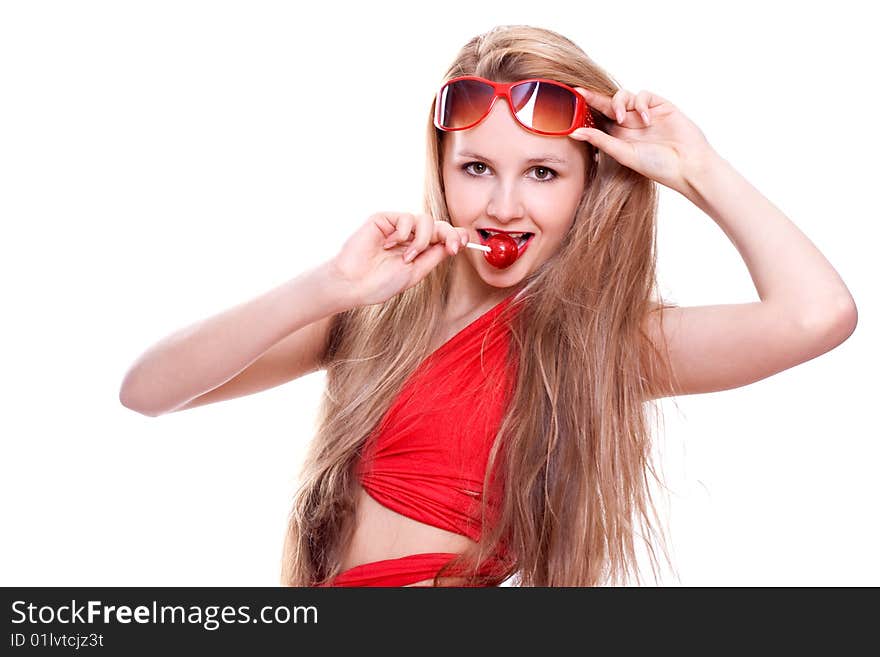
(562, 151)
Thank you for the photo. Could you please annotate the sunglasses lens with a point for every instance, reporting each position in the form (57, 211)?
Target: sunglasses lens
(543, 106)
(463, 103)
(539, 105)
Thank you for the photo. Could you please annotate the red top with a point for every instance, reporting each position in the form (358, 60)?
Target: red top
(430, 451)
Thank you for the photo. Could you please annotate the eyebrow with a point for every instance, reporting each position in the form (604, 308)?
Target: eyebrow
(540, 158)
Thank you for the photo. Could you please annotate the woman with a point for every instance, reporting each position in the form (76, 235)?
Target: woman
(487, 414)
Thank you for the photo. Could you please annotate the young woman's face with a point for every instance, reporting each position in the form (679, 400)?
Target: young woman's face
(490, 183)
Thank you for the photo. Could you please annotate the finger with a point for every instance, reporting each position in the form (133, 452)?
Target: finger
(424, 233)
(386, 222)
(617, 106)
(652, 101)
(597, 101)
(614, 107)
(456, 238)
(402, 222)
(644, 100)
(619, 149)
(405, 226)
(428, 259)
(622, 102)
(394, 226)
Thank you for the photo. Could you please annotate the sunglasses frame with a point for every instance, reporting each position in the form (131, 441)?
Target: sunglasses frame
(582, 116)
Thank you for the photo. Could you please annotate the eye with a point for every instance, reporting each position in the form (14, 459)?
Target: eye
(553, 174)
(470, 164)
(551, 171)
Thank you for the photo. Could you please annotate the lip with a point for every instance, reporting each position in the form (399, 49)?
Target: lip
(520, 250)
(501, 230)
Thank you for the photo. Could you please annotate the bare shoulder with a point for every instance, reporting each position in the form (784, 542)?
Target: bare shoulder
(292, 357)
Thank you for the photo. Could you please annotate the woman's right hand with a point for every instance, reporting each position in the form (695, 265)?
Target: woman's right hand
(376, 273)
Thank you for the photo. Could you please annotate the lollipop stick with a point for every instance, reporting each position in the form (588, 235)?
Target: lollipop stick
(474, 245)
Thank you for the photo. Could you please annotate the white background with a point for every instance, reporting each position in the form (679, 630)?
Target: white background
(159, 163)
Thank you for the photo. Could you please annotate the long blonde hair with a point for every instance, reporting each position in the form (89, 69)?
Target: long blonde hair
(576, 436)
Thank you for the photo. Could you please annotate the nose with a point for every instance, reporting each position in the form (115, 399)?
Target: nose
(505, 204)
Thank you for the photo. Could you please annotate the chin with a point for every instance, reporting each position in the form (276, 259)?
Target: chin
(502, 278)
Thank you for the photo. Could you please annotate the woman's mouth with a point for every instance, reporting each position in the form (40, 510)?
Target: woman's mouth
(521, 238)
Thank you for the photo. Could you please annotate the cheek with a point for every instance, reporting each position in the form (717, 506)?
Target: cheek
(555, 227)
(462, 198)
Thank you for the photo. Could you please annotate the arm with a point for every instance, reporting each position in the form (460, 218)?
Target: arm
(205, 355)
(805, 308)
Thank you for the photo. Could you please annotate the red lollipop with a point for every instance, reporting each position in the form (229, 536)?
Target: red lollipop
(504, 250)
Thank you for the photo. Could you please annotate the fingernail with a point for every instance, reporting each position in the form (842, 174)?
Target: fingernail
(645, 118)
(620, 117)
(409, 256)
(456, 247)
(388, 245)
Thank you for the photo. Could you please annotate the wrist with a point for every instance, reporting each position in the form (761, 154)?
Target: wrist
(699, 167)
(334, 287)
(699, 164)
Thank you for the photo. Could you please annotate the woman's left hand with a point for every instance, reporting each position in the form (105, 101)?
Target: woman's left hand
(667, 147)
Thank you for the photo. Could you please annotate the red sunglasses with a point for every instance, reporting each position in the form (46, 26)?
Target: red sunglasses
(539, 105)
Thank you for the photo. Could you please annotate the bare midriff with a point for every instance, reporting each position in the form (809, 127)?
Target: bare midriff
(381, 533)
